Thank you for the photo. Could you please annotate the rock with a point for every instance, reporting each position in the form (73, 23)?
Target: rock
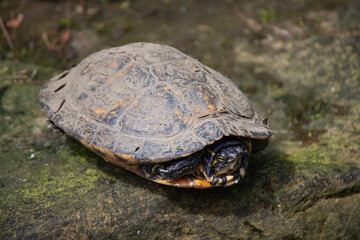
(305, 185)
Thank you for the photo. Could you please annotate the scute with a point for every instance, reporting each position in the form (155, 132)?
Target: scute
(155, 147)
(208, 132)
(204, 100)
(105, 138)
(129, 145)
(148, 102)
(234, 100)
(84, 129)
(157, 113)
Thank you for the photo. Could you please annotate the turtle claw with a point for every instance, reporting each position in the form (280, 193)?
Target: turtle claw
(58, 130)
(55, 128)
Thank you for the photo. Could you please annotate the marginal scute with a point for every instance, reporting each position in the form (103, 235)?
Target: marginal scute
(259, 134)
(231, 96)
(187, 143)
(154, 53)
(208, 131)
(60, 76)
(152, 149)
(222, 127)
(58, 119)
(84, 129)
(44, 106)
(127, 145)
(120, 158)
(234, 128)
(182, 73)
(105, 138)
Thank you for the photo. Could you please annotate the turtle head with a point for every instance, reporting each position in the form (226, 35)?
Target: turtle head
(227, 160)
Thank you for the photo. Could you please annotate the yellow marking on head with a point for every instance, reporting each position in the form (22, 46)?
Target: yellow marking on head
(113, 112)
(130, 64)
(233, 164)
(177, 112)
(100, 111)
(213, 163)
(135, 102)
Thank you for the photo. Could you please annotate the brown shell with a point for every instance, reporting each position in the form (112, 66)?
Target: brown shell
(147, 102)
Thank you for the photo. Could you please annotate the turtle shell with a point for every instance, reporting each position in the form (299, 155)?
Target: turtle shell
(146, 102)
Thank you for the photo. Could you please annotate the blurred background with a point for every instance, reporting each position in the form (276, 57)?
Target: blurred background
(297, 61)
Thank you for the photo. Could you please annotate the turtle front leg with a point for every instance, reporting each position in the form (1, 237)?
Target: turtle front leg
(171, 170)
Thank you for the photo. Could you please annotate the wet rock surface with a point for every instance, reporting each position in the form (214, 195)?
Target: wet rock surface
(297, 62)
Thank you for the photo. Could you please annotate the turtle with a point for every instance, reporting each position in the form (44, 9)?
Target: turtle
(159, 113)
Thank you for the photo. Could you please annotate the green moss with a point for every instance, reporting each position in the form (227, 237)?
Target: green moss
(48, 189)
(313, 154)
(338, 146)
(52, 180)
